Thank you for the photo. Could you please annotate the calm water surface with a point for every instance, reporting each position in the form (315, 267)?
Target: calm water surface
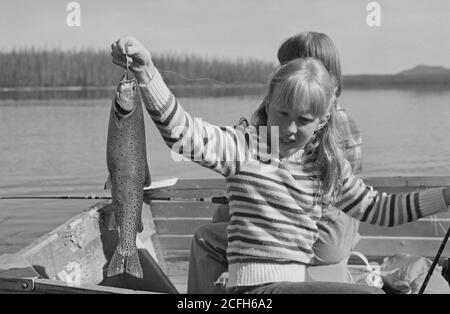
(57, 147)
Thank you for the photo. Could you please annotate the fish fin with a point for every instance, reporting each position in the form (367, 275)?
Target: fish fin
(148, 178)
(140, 225)
(111, 223)
(117, 264)
(133, 266)
(108, 183)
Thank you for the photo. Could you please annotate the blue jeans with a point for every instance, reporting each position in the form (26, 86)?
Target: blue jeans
(208, 259)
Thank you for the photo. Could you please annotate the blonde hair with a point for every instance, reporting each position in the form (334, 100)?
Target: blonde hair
(306, 82)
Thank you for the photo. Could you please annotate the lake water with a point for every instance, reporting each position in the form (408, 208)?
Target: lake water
(57, 147)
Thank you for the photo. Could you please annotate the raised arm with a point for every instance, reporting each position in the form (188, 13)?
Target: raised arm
(350, 140)
(368, 205)
(218, 148)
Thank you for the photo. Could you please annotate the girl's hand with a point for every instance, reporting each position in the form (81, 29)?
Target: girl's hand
(139, 58)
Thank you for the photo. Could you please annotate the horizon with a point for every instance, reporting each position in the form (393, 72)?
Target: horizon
(181, 55)
(405, 38)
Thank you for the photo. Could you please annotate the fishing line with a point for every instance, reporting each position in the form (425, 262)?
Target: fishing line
(197, 79)
(128, 69)
(210, 79)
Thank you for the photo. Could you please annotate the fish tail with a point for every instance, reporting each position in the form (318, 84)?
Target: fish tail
(110, 221)
(133, 266)
(120, 264)
(117, 264)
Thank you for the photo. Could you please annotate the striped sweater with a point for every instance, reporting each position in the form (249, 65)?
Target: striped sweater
(274, 203)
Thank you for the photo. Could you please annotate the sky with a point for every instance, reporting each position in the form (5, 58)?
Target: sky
(411, 32)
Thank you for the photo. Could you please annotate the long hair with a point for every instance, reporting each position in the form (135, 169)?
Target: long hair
(305, 45)
(306, 82)
(324, 152)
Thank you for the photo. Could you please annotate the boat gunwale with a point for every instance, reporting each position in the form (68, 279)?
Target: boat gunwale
(36, 245)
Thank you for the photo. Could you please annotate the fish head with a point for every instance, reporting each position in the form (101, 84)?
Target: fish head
(127, 94)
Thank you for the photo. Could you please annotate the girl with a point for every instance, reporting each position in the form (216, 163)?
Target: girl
(337, 232)
(277, 181)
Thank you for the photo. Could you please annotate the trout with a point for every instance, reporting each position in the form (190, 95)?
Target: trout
(128, 174)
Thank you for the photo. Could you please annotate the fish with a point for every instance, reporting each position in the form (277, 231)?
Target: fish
(129, 173)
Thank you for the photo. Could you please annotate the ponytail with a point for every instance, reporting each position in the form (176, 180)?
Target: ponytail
(323, 150)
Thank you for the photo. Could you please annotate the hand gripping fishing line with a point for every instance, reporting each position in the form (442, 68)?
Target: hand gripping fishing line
(127, 73)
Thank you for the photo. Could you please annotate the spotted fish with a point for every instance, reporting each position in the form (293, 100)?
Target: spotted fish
(128, 174)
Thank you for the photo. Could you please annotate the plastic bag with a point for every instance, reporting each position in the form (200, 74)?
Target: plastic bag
(404, 273)
(370, 275)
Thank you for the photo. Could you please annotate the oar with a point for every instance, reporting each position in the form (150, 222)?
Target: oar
(435, 261)
(51, 197)
(155, 185)
(214, 199)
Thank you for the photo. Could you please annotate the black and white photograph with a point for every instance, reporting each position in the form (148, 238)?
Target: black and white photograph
(224, 148)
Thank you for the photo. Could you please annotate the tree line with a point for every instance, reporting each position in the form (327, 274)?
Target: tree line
(31, 67)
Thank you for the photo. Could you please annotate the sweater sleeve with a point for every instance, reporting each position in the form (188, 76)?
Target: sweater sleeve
(221, 149)
(364, 203)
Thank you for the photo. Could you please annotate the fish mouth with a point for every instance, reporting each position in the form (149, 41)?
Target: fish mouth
(126, 96)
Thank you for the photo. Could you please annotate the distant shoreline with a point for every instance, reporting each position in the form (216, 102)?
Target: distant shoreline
(112, 87)
(55, 71)
(193, 91)
(352, 86)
